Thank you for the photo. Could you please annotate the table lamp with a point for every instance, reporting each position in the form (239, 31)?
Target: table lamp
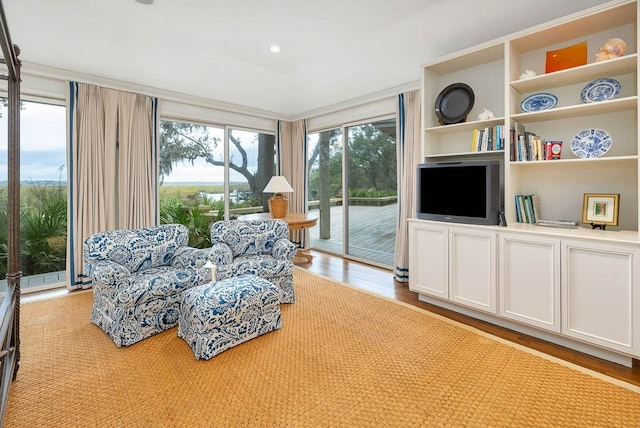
(278, 203)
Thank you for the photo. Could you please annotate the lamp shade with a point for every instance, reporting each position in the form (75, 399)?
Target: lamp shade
(278, 184)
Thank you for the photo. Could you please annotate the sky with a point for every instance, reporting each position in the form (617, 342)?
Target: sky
(42, 142)
(43, 148)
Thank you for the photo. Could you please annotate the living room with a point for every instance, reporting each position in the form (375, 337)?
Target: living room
(338, 102)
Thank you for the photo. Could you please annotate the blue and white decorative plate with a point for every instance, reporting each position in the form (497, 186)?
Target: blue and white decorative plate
(537, 102)
(591, 143)
(600, 90)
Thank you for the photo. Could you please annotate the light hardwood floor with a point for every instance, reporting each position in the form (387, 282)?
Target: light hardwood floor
(381, 281)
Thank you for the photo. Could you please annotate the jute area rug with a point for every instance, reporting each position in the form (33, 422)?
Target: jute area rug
(343, 358)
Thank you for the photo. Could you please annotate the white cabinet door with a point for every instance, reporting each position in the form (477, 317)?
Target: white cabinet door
(601, 294)
(472, 268)
(428, 246)
(529, 282)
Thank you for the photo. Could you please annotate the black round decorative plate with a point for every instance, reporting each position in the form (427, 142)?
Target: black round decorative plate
(454, 103)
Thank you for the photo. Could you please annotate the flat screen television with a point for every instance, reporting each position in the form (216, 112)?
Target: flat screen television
(460, 192)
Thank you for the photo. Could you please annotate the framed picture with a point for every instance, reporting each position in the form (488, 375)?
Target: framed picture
(600, 208)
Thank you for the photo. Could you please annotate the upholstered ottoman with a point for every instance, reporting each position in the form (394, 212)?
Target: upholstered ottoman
(217, 316)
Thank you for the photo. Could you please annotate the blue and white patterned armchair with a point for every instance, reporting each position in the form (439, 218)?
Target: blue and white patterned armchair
(138, 276)
(259, 247)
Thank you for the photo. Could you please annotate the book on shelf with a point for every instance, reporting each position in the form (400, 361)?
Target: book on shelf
(569, 224)
(532, 147)
(478, 136)
(552, 150)
(474, 140)
(527, 208)
(522, 148)
(518, 136)
(523, 212)
(528, 146)
(535, 203)
(487, 139)
(558, 222)
(538, 148)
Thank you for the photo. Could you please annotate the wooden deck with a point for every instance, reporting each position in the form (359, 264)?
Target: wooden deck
(372, 231)
(32, 283)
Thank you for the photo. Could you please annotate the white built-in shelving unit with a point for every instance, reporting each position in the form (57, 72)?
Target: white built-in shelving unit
(579, 271)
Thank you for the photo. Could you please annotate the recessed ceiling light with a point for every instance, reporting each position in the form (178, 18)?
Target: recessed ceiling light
(275, 49)
(144, 1)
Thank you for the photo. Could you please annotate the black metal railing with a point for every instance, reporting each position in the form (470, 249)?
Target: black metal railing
(10, 307)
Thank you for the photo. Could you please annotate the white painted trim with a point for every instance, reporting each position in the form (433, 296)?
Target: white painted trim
(361, 113)
(357, 102)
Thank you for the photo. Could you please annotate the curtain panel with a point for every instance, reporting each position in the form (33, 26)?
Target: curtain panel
(112, 158)
(408, 153)
(292, 164)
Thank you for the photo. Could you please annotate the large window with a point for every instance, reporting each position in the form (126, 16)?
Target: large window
(43, 195)
(204, 178)
(251, 163)
(192, 190)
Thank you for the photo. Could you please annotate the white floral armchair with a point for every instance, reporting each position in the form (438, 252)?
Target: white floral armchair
(259, 247)
(138, 276)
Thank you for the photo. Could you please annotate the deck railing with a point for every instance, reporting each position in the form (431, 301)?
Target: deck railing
(9, 352)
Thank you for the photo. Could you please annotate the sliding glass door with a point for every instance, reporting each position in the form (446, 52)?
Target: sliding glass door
(370, 178)
(325, 189)
(358, 223)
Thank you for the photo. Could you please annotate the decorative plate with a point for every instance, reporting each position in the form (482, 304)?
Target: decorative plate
(454, 103)
(591, 143)
(600, 90)
(537, 102)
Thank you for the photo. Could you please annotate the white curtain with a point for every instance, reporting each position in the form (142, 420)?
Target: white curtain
(408, 154)
(292, 164)
(136, 161)
(111, 141)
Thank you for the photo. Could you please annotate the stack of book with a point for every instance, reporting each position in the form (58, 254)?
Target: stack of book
(527, 208)
(557, 223)
(488, 139)
(528, 211)
(527, 146)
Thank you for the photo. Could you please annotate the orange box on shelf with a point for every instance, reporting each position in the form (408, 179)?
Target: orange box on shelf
(568, 57)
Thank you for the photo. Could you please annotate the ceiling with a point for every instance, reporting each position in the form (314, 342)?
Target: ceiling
(333, 51)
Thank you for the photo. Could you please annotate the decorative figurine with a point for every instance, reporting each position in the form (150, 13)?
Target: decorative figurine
(527, 74)
(614, 48)
(486, 114)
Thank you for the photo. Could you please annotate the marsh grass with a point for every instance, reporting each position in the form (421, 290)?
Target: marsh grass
(43, 221)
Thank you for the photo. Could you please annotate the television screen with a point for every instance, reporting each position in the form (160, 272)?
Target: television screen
(454, 191)
(461, 192)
